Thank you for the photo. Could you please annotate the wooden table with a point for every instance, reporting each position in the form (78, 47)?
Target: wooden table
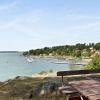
(89, 88)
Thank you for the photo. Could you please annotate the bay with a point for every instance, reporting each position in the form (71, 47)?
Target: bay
(15, 64)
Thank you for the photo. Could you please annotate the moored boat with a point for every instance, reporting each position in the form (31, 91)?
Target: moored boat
(30, 60)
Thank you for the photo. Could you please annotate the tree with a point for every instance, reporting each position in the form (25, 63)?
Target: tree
(94, 63)
(66, 50)
(25, 53)
(77, 53)
(97, 46)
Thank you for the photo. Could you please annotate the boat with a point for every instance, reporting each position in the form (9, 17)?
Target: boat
(80, 63)
(30, 60)
(61, 62)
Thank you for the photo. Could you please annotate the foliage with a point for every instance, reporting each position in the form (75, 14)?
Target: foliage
(94, 63)
(97, 46)
(25, 53)
(65, 50)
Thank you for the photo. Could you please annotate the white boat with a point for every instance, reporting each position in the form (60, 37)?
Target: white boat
(80, 63)
(30, 60)
(61, 62)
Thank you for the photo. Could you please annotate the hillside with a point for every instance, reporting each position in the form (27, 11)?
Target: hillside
(78, 50)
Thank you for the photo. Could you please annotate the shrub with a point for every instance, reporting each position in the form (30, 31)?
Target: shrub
(94, 63)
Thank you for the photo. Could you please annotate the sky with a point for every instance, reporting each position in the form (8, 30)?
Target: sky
(31, 24)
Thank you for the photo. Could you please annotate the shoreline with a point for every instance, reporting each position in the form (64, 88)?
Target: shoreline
(37, 75)
(87, 59)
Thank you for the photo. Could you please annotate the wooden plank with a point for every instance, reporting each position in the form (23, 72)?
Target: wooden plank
(88, 88)
(77, 72)
(68, 89)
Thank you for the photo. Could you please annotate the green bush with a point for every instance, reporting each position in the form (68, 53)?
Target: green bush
(94, 63)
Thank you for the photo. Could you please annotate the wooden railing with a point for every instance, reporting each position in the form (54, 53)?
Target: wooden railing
(77, 72)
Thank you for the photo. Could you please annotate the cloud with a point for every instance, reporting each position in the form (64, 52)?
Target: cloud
(40, 22)
(39, 28)
(24, 25)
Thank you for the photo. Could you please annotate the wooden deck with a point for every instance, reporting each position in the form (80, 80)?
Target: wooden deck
(89, 88)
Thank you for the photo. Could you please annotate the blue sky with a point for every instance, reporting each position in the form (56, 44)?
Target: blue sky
(30, 24)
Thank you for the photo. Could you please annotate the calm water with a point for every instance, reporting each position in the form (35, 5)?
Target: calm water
(13, 64)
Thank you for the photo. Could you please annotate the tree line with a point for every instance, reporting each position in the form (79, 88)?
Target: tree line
(76, 50)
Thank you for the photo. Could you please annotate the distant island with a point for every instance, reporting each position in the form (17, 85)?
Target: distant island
(8, 51)
(78, 50)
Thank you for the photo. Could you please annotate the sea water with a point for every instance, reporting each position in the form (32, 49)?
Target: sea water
(15, 64)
